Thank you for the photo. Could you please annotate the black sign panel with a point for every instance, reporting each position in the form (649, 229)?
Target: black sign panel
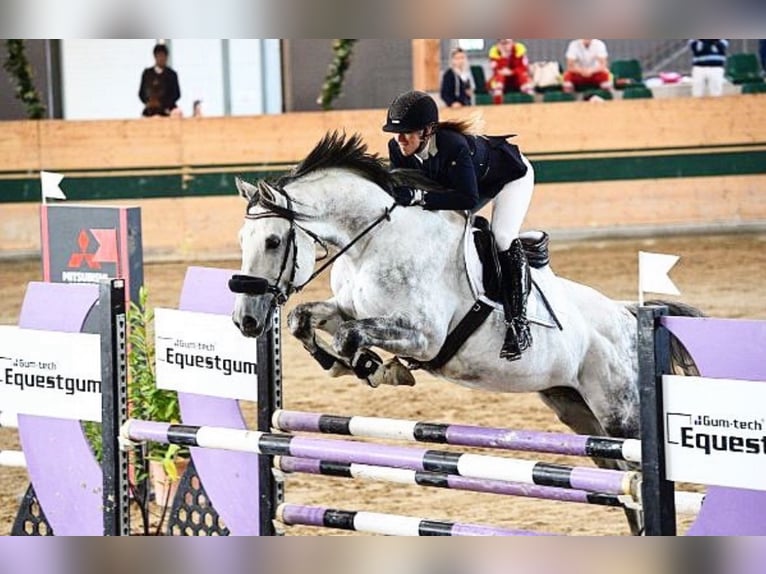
(84, 244)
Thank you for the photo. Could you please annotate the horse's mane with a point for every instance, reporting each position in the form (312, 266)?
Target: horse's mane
(336, 150)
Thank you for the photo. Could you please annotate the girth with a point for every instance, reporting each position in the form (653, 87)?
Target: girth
(457, 337)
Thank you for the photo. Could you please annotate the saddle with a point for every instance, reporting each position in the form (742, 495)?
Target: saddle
(487, 289)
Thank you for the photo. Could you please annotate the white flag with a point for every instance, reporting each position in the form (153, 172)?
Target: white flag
(653, 271)
(50, 183)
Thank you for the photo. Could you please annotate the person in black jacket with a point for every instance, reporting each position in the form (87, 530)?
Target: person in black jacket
(159, 89)
(477, 170)
(456, 86)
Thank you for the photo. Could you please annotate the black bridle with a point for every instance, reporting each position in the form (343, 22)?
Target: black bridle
(248, 285)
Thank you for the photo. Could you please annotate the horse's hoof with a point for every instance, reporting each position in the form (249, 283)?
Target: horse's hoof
(392, 373)
(299, 322)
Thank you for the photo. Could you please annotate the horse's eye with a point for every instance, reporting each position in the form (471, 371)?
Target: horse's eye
(273, 241)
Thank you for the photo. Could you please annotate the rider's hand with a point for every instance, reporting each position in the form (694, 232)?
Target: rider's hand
(406, 196)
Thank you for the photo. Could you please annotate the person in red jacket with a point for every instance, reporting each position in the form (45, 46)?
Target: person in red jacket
(510, 69)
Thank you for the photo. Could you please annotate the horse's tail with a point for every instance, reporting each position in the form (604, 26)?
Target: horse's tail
(679, 356)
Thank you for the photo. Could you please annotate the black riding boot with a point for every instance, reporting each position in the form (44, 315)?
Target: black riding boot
(516, 282)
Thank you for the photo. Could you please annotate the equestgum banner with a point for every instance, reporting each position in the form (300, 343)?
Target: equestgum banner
(203, 353)
(716, 431)
(51, 374)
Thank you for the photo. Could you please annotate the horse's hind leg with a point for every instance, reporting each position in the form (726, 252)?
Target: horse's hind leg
(574, 412)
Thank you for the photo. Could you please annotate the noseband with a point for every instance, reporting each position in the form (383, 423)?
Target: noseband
(248, 285)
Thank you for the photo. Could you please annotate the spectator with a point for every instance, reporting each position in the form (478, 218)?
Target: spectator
(587, 66)
(708, 63)
(457, 84)
(762, 52)
(159, 89)
(510, 69)
(197, 109)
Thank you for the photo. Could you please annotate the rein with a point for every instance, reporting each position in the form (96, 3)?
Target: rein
(248, 285)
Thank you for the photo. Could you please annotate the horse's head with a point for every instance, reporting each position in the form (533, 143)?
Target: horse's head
(341, 189)
(277, 256)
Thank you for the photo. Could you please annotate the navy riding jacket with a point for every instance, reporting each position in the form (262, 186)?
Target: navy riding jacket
(473, 168)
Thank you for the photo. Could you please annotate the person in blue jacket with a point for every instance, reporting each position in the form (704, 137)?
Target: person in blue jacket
(477, 170)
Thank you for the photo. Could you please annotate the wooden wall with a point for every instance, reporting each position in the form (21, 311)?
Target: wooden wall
(546, 132)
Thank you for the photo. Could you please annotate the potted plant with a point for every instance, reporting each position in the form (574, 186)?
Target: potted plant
(166, 463)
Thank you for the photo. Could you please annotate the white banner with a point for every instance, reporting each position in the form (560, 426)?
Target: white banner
(204, 354)
(715, 431)
(50, 373)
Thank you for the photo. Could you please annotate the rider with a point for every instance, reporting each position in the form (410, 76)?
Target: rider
(477, 169)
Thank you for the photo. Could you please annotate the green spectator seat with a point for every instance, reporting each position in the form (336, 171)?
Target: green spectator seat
(518, 98)
(626, 73)
(637, 93)
(754, 88)
(603, 94)
(546, 89)
(478, 78)
(558, 97)
(483, 99)
(743, 69)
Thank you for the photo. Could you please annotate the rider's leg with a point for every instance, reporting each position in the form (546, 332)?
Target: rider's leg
(510, 208)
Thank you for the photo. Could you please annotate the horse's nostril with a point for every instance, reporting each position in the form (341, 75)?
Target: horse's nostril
(249, 324)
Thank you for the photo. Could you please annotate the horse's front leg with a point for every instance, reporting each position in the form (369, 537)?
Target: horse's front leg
(304, 321)
(397, 334)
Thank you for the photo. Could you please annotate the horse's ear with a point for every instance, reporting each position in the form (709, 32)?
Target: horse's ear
(246, 190)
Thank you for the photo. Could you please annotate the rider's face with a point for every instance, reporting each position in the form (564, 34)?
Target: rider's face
(409, 142)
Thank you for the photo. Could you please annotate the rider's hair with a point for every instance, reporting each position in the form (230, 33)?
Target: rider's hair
(470, 126)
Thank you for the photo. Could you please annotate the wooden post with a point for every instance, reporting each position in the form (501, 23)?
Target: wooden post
(426, 64)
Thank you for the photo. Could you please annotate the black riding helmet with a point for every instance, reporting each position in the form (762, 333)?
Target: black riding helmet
(411, 112)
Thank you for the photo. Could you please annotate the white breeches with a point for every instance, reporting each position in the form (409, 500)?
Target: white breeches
(509, 208)
(709, 76)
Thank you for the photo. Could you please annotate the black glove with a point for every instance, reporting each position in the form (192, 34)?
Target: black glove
(406, 196)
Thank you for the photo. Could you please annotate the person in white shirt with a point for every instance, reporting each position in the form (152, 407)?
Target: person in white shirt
(587, 66)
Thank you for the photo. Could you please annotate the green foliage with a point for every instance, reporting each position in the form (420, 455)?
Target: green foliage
(18, 67)
(333, 83)
(147, 402)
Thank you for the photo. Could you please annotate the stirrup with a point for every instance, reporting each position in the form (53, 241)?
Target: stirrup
(517, 339)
